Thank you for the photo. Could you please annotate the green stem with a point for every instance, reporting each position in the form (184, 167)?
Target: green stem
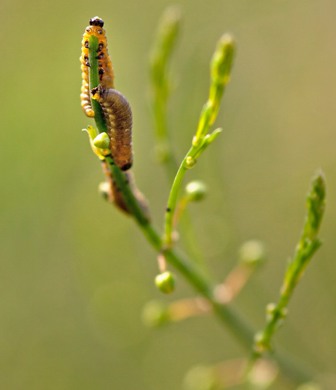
(239, 327)
(94, 81)
(172, 202)
(163, 47)
(305, 249)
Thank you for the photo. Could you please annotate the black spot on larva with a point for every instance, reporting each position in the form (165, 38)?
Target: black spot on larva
(100, 56)
(87, 63)
(101, 71)
(100, 46)
(96, 21)
(86, 44)
(126, 166)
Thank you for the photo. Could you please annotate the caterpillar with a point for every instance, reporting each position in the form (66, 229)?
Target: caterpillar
(106, 76)
(114, 195)
(118, 118)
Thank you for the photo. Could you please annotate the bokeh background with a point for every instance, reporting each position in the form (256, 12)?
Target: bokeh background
(75, 274)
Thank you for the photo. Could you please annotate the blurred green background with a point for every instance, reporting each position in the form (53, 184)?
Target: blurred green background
(75, 274)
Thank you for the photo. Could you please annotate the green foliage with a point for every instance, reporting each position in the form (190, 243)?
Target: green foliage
(252, 253)
(305, 249)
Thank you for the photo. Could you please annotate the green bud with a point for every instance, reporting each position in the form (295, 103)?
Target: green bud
(222, 59)
(260, 344)
(270, 309)
(155, 313)
(102, 141)
(252, 253)
(315, 206)
(165, 282)
(211, 137)
(190, 162)
(196, 190)
(273, 311)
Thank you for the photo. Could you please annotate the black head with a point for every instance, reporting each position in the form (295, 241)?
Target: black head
(96, 21)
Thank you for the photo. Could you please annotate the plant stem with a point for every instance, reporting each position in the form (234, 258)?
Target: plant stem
(225, 313)
(305, 249)
(239, 327)
(220, 71)
(171, 204)
(165, 42)
(94, 81)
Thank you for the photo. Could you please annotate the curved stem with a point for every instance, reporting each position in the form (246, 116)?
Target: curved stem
(239, 327)
(171, 204)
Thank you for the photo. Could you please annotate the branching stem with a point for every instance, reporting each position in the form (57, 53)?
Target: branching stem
(239, 327)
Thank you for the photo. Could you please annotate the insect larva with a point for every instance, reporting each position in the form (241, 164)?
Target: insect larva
(114, 195)
(118, 118)
(106, 75)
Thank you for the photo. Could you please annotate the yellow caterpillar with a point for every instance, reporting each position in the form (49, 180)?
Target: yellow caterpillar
(117, 115)
(106, 76)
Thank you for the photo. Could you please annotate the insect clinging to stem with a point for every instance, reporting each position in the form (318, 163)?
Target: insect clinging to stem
(106, 75)
(118, 119)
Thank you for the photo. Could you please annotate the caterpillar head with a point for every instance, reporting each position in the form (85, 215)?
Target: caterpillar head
(96, 21)
(96, 92)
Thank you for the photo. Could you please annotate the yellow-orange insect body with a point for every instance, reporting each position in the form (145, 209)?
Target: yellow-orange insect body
(118, 118)
(106, 76)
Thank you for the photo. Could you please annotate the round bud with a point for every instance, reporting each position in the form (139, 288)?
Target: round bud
(165, 282)
(155, 314)
(272, 310)
(260, 344)
(252, 253)
(196, 190)
(102, 141)
(190, 162)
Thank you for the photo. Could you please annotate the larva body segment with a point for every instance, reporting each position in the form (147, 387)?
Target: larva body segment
(118, 118)
(106, 76)
(115, 196)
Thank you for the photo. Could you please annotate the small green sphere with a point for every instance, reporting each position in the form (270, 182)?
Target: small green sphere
(165, 282)
(102, 141)
(196, 190)
(155, 314)
(252, 253)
